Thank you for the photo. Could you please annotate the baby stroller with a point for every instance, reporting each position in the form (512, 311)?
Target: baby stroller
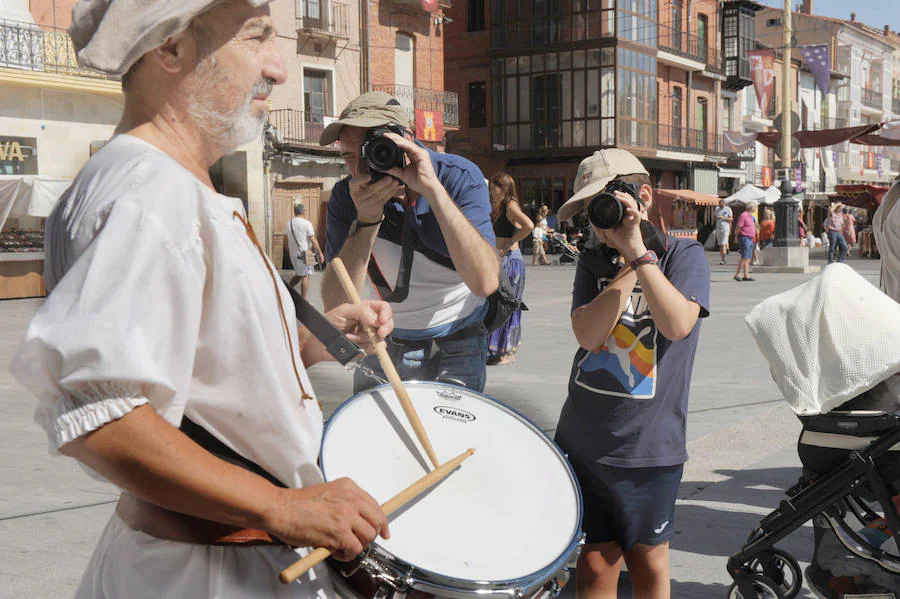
(557, 243)
(850, 454)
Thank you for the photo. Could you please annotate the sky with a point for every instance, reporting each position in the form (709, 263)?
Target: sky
(876, 13)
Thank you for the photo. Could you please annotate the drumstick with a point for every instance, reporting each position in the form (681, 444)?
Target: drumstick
(386, 364)
(316, 556)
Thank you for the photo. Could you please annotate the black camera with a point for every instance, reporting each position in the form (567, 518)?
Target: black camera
(380, 152)
(605, 211)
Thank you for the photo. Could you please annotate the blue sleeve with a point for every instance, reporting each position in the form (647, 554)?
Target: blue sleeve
(341, 214)
(586, 288)
(688, 271)
(465, 184)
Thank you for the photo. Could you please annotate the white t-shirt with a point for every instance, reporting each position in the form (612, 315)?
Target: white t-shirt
(722, 214)
(538, 231)
(158, 296)
(298, 233)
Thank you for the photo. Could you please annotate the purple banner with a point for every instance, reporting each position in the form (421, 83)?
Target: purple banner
(798, 181)
(818, 59)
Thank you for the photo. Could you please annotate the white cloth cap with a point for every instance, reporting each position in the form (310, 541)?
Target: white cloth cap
(828, 340)
(110, 36)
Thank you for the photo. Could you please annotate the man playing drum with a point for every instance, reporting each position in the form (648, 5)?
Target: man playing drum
(165, 312)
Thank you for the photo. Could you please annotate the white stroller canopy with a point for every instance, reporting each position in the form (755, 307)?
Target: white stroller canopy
(828, 340)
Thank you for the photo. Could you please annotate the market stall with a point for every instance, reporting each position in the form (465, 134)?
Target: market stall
(25, 203)
(678, 211)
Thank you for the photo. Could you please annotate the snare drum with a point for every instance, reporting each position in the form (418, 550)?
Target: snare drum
(507, 523)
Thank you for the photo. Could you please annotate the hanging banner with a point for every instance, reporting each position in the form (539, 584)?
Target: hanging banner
(429, 125)
(818, 60)
(762, 72)
(766, 176)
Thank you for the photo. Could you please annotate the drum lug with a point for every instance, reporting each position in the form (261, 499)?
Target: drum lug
(389, 582)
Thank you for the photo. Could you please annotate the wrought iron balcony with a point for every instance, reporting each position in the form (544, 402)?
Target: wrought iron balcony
(324, 19)
(416, 98)
(691, 141)
(872, 98)
(28, 47)
(298, 128)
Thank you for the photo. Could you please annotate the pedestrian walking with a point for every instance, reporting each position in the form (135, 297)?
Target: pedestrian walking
(511, 226)
(724, 217)
(746, 228)
(834, 227)
(849, 230)
(303, 248)
(538, 237)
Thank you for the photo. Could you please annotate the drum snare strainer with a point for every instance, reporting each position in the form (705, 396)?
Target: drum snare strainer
(505, 524)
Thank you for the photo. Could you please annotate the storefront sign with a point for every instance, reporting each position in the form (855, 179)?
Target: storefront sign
(18, 156)
(429, 125)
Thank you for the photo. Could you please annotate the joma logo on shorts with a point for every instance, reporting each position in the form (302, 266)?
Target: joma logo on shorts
(449, 395)
(454, 413)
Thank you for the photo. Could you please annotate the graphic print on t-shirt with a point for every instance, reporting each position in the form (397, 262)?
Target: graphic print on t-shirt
(625, 365)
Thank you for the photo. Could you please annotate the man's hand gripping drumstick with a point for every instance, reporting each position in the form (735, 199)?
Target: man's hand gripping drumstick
(302, 566)
(386, 364)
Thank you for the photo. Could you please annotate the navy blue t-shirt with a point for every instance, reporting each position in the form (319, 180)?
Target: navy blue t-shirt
(627, 403)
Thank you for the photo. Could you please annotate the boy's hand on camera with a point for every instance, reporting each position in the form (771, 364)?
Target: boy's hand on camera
(626, 236)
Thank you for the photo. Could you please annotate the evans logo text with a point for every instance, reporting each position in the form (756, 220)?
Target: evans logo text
(454, 413)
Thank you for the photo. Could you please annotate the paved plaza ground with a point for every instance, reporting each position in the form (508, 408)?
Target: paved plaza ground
(742, 440)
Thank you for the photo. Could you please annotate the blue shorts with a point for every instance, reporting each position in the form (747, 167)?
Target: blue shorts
(628, 505)
(745, 246)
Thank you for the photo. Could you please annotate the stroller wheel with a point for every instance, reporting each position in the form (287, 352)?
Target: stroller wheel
(764, 587)
(787, 576)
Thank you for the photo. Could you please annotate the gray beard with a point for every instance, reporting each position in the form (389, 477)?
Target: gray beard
(227, 130)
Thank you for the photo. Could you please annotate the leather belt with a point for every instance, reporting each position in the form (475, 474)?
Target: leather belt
(165, 524)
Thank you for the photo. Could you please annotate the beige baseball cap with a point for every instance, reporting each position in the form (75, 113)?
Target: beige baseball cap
(372, 109)
(595, 172)
(111, 35)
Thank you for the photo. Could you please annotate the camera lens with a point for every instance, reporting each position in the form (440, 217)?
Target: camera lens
(605, 211)
(382, 154)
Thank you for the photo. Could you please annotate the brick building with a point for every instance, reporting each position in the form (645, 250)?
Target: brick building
(563, 78)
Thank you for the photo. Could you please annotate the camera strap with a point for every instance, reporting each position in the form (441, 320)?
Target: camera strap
(409, 244)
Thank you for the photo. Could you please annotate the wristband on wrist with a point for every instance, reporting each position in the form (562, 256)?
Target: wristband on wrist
(648, 257)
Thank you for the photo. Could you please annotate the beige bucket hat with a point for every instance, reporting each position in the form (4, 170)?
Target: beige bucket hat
(595, 172)
(372, 109)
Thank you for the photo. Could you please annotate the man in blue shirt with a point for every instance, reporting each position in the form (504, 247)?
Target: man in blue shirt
(438, 204)
(635, 314)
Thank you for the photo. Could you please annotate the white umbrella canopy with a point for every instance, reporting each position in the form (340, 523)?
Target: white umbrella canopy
(773, 194)
(747, 193)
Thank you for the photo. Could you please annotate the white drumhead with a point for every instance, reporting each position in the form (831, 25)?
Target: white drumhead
(510, 511)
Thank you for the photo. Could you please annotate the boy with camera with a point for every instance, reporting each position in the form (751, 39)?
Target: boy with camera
(637, 300)
(424, 218)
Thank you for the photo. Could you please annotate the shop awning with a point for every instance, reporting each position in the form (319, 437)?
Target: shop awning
(689, 195)
(29, 195)
(859, 196)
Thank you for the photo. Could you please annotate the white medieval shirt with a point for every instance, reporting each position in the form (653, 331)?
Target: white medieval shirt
(160, 297)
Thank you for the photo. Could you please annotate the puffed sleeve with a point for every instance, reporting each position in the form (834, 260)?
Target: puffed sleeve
(119, 330)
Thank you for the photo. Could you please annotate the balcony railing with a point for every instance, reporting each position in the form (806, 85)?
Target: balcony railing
(297, 127)
(692, 141)
(333, 22)
(41, 49)
(557, 29)
(872, 98)
(690, 46)
(415, 98)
